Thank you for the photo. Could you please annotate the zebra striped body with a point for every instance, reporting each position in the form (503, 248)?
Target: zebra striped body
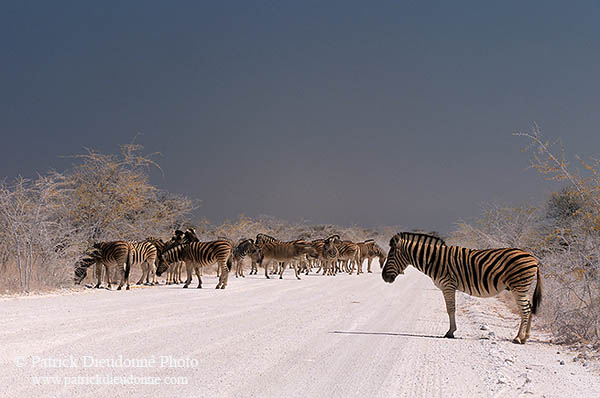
(106, 255)
(285, 252)
(348, 255)
(174, 270)
(244, 248)
(200, 254)
(368, 251)
(481, 273)
(328, 255)
(145, 254)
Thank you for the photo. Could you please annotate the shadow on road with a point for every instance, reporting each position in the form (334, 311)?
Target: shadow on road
(397, 334)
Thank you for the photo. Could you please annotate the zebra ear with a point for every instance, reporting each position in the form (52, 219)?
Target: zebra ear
(394, 241)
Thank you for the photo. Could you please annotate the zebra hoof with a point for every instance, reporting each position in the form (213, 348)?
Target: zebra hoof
(127, 288)
(449, 335)
(267, 276)
(119, 288)
(222, 286)
(517, 340)
(185, 286)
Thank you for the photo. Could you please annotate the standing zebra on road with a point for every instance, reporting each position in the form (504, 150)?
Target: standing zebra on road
(145, 253)
(200, 254)
(105, 255)
(329, 255)
(349, 254)
(285, 252)
(368, 251)
(244, 248)
(174, 269)
(481, 273)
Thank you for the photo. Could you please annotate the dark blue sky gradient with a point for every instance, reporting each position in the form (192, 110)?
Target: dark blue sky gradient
(345, 112)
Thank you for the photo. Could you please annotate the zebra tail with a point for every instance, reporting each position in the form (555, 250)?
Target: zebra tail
(537, 294)
(128, 265)
(229, 261)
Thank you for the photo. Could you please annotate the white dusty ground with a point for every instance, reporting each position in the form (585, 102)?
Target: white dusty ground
(343, 336)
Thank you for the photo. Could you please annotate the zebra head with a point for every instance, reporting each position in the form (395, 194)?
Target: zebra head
(161, 265)
(245, 247)
(190, 236)
(397, 260)
(329, 246)
(81, 267)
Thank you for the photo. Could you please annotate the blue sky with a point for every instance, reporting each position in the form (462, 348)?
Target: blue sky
(337, 112)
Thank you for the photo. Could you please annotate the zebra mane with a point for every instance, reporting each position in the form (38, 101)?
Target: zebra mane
(412, 235)
(266, 237)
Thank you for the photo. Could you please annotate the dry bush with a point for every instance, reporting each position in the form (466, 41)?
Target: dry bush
(246, 227)
(46, 224)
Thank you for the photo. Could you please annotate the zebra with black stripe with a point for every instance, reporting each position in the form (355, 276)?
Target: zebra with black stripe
(273, 249)
(348, 256)
(197, 255)
(244, 248)
(106, 255)
(368, 251)
(327, 254)
(145, 254)
(481, 273)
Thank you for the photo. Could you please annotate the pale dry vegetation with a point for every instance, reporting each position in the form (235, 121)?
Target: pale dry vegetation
(563, 233)
(46, 223)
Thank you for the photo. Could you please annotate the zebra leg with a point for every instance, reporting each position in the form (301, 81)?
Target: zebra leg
(449, 296)
(122, 282)
(369, 265)
(198, 275)
(108, 286)
(266, 268)
(224, 275)
(153, 270)
(143, 267)
(525, 312)
(281, 269)
(296, 266)
(188, 268)
(176, 277)
(98, 268)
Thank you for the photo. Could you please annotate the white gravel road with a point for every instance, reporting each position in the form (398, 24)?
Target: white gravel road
(343, 336)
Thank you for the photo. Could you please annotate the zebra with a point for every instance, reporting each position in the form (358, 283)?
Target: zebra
(275, 250)
(368, 251)
(349, 254)
(200, 254)
(105, 255)
(329, 255)
(145, 253)
(174, 269)
(190, 236)
(244, 248)
(481, 273)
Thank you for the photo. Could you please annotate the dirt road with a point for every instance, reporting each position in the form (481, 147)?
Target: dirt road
(343, 336)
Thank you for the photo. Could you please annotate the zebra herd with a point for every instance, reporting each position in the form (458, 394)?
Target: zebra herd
(155, 257)
(481, 273)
